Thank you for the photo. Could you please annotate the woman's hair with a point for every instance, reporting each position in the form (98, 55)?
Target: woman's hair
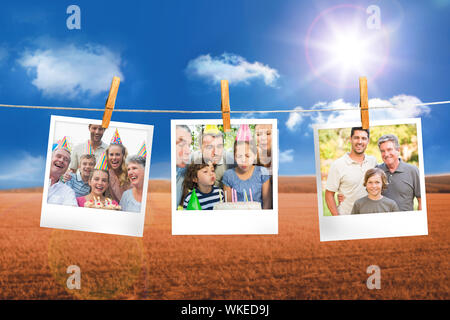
(250, 143)
(123, 176)
(136, 159)
(376, 171)
(191, 174)
(92, 174)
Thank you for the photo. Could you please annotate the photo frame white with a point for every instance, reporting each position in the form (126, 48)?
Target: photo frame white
(375, 225)
(225, 222)
(90, 219)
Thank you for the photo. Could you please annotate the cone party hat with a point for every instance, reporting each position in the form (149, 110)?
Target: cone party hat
(102, 163)
(211, 129)
(116, 138)
(142, 151)
(194, 204)
(244, 133)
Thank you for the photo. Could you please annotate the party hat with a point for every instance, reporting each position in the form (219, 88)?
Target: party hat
(211, 129)
(244, 133)
(116, 138)
(142, 151)
(63, 144)
(102, 163)
(55, 145)
(89, 149)
(194, 204)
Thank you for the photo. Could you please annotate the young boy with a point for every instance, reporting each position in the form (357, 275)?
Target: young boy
(375, 181)
(79, 181)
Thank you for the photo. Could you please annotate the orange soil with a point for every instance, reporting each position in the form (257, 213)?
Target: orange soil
(291, 265)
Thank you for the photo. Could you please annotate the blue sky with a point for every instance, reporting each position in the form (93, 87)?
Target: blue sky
(170, 53)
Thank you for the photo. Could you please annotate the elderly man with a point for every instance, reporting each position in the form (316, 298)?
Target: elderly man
(346, 174)
(403, 178)
(212, 151)
(183, 153)
(96, 132)
(58, 192)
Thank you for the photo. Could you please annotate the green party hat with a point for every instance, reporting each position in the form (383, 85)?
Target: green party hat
(194, 204)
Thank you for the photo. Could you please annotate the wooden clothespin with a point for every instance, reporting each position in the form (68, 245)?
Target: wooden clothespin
(225, 106)
(364, 102)
(110, 102)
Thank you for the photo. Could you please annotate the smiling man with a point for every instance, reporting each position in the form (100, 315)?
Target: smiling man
(96, 132)
(346, 174)
(403, 178)
(58, 192)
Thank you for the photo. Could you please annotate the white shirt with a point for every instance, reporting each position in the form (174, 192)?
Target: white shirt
(59, 193)
(346, 177)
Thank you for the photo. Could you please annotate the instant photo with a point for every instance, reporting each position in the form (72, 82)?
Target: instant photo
(96, 179)
(370, 183)
(224, 182)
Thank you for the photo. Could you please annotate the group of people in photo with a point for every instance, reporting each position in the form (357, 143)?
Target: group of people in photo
(97, 175)
(363, 186)
(241, 174)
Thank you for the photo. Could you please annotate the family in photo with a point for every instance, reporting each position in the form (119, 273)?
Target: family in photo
(96, 174)
(364, 186)
(218, 171)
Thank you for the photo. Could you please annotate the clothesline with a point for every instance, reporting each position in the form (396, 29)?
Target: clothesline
(297, 110)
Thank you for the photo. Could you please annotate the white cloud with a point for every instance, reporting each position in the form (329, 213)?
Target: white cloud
(403, 109)
(286, 156)
(23, 168)
(69, 70)
(231, 67)
(295, 118)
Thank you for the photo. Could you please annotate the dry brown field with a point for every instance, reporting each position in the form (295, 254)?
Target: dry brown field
(291, 265)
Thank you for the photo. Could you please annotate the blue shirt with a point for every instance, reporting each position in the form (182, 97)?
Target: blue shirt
(128, 203)
(80, 187)
(255, 182)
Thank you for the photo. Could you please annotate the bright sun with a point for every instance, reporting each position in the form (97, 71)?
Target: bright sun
(348, 53)
(340, 48)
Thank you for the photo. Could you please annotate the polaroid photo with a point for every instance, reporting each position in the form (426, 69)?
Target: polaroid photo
(224, 183)
(96, 179)
(370, 183)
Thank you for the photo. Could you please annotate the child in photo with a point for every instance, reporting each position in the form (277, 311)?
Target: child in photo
(99, 183)
(375, 181)
(202, 178)
(79, 181)
(247, 177)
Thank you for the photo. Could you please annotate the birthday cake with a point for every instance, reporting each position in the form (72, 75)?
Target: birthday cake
(240, 205)
(98, 204)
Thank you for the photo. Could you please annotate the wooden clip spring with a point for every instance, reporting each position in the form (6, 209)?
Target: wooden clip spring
(225, 105)
(110, 102)
(364, 102)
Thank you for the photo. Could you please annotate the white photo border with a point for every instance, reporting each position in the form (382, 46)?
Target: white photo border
(90, 219)
(225, 222)
(375, 225)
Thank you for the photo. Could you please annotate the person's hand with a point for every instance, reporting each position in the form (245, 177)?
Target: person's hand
(66, 177)
(341, 198)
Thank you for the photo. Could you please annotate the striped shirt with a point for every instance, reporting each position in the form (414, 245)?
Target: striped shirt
(80, 187)
(207, 200)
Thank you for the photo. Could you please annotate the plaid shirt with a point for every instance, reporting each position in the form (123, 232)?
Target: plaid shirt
(78, 185)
